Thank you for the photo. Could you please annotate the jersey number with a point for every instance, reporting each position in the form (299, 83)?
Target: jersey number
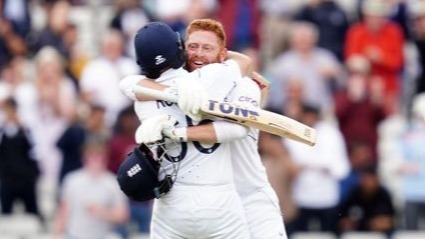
(198, 145)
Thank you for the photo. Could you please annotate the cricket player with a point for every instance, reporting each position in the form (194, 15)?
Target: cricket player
(205, 44)
(203, 202)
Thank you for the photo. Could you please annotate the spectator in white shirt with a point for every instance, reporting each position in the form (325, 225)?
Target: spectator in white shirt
(320, 168)
(100, 78)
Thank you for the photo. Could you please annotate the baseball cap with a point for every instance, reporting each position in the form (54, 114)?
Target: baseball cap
(157, 46)
(137, 176)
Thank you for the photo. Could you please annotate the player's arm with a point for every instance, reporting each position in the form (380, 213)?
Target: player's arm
(263, 85)
(216, 132)
(127, 84)
(244, 62)
(155, 128)
(190, 92)
(247, 69)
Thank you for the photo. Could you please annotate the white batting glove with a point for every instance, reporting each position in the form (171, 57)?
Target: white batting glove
(150, 130)
(191, 97)
(176, 134)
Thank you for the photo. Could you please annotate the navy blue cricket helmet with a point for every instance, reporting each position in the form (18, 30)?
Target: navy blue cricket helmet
(158, 48)
(137, 176)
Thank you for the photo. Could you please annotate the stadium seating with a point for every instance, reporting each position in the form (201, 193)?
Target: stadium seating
(313, 235)
(409, 235)
(19, 225)
(363, 235)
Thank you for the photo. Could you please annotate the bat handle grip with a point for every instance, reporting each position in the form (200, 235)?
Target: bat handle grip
(156, 94)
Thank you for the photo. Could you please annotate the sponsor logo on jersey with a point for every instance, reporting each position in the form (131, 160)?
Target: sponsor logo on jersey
(249, 100)
(232, 109)
(134, 170)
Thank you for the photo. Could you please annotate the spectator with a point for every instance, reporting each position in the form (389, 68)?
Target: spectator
(293, 105)
(56, 103)
(11, 44)
(77, 58)
(280, 171)
(294, 100)
(381, 42)
(15, 24)
(275, 23)
(412, 167)
(368, 207)
(360, 106)
(15, 83)
(17, 12)
(121, 143)
(130, 16)
(331, 22)
(398, 13)
(317, 69)
(242, 28)
(418, 15)
(319, 169)
(89, 128)
(70, 144)
(180, 13)
(91, 202)
(53, 33)
(100, 77)
(360, 155)
(122, 140)
(18, 168)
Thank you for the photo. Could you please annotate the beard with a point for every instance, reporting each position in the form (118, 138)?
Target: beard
(193, 63)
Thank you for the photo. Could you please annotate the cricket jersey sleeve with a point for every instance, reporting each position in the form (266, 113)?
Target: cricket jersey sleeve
(219, 78)
(247, 93)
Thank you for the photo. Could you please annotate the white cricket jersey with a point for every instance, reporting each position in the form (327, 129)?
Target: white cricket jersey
(201, 164)
(249, 172)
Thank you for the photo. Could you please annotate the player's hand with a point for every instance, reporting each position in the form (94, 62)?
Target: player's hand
(176, 134)
(150, 130)
(191, 97)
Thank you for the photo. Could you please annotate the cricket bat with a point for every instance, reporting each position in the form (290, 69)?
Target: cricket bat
(249, 116)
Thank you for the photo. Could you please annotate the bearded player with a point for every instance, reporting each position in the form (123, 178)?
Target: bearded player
(203, 202)
(205, 44)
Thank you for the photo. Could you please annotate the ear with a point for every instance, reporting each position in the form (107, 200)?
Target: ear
(222, 56)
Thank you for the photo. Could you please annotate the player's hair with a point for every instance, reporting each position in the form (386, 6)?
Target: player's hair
(208, 25)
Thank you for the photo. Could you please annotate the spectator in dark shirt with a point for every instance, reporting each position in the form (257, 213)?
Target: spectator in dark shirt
(53, 34)
(90, 128)
(11, 44)
(418, 15)
(368, 207)
(331, 21)
(18, 169)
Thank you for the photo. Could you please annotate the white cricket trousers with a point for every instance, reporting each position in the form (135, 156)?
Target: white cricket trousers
(263, 214)
(199, 212)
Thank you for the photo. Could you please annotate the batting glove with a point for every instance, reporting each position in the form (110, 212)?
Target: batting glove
(176, 134)
(191, 97)
(150, 130)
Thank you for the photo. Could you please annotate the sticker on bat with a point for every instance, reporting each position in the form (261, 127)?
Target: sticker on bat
(230, 109)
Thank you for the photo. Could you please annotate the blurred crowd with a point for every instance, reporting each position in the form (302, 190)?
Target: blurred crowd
(352, 69)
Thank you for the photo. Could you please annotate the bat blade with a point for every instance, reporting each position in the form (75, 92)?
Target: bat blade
(249, 116)
(263, 120)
